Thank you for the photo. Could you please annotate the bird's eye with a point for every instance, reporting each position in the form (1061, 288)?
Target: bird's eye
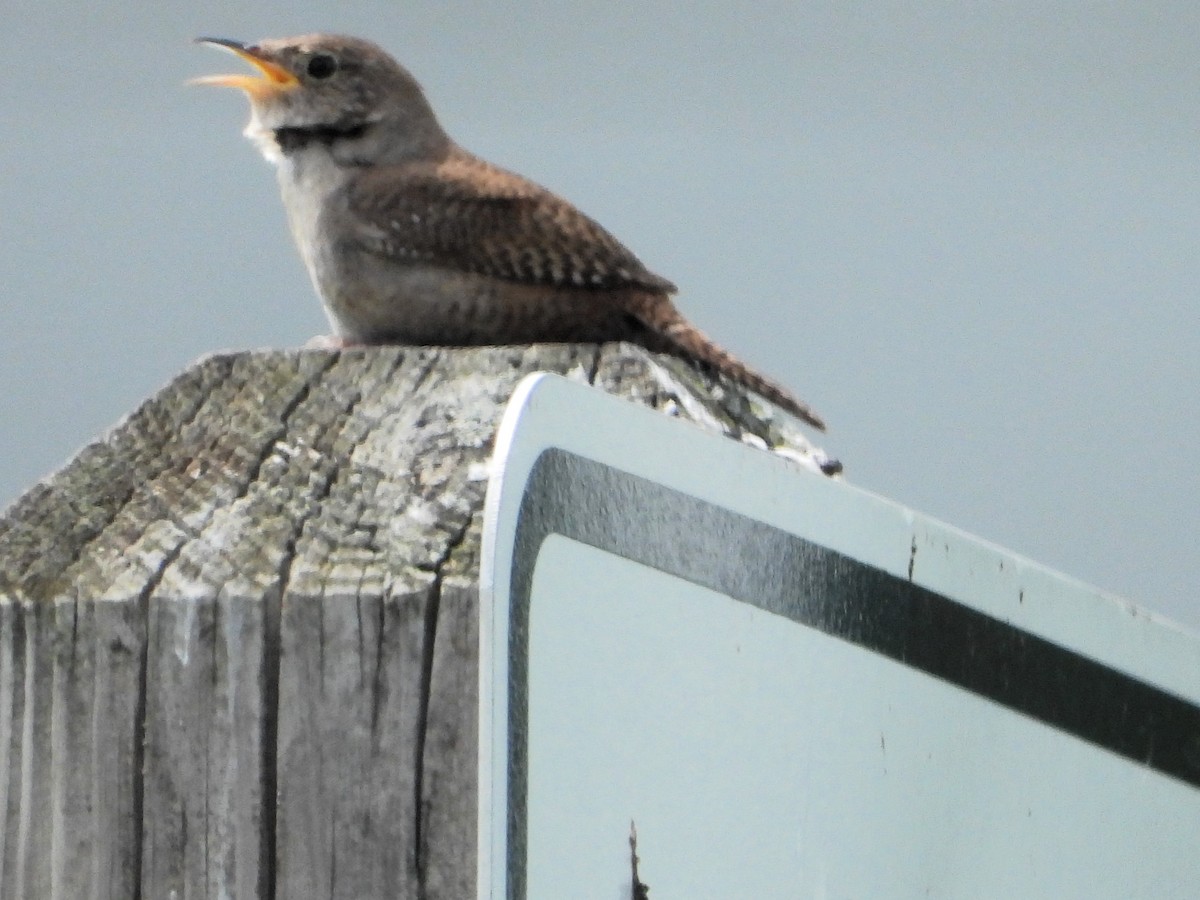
(322, 65)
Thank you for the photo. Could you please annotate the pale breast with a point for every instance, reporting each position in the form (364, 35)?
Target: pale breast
(310, 183)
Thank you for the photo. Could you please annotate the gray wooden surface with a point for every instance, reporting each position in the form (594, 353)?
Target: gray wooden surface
(238, 633)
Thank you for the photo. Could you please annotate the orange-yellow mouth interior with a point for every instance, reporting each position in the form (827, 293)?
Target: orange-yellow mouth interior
(273, 79)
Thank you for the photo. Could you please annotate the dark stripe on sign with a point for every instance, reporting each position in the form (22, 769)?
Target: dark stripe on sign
(767, 567)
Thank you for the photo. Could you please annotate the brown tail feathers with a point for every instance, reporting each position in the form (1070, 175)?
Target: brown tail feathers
(683, 339)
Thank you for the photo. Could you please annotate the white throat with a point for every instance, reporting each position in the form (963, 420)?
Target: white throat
(264, 139)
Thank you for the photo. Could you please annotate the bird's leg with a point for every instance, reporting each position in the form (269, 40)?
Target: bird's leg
(329, 342)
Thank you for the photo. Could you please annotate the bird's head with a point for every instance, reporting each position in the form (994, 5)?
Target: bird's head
(331, 85)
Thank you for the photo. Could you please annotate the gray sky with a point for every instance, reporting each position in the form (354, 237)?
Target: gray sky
(966, 233)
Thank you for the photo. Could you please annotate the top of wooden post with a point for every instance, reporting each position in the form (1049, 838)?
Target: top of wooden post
(326, 471)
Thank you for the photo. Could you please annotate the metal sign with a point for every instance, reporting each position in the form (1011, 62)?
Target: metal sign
(798, 689)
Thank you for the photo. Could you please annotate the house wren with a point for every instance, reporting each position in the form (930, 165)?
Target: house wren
(409, 238)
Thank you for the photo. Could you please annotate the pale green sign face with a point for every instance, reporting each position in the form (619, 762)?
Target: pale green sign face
(691, 635)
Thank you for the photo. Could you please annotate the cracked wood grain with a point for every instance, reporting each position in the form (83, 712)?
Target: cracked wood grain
(238, 633)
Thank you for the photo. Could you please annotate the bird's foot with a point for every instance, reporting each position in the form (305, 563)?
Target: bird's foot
(329, 342)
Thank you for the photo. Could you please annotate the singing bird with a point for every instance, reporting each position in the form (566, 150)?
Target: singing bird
(408, 238)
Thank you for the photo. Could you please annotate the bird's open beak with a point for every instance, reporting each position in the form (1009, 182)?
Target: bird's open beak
(274, 78)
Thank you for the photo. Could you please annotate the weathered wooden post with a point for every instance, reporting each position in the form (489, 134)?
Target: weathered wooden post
(238, 635)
